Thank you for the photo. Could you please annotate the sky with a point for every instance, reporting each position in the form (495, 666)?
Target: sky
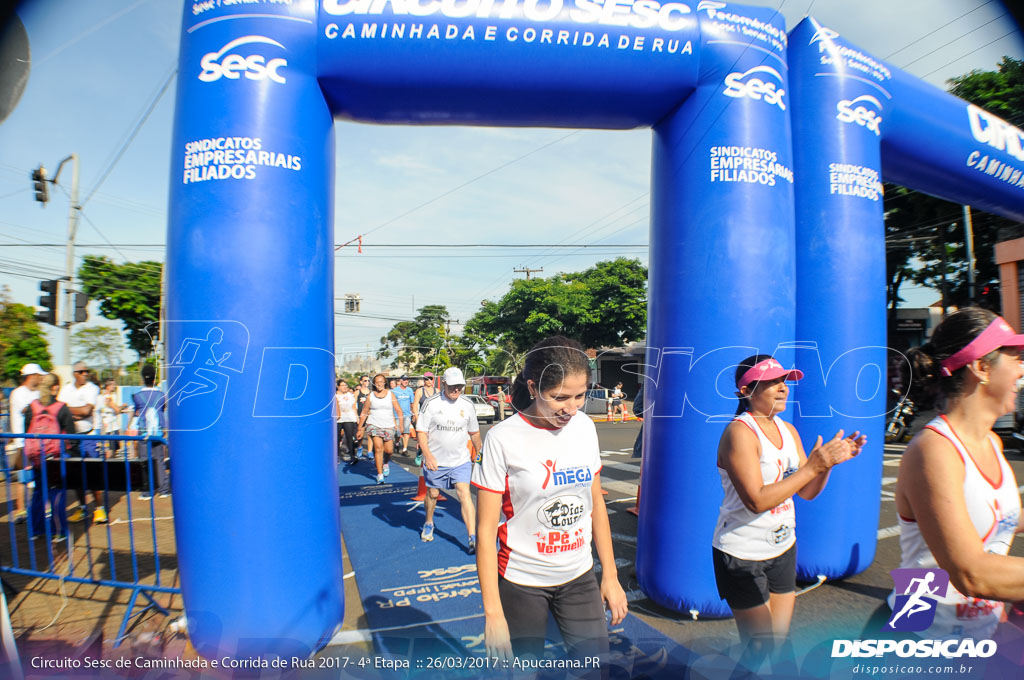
(102, 86)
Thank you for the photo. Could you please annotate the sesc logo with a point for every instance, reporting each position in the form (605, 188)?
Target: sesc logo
(746, 84)
(220, 64)
(850, 112)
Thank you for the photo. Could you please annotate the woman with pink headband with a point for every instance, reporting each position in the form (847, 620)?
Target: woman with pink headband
(762, 464)
(956, 497)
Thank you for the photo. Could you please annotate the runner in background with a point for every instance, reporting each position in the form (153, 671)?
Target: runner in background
(957, 498)
(616, 405)
(363, 447)
(541, 468)
(379, 414)
(762, 463)
(423, 392)
(404, 394)
(347, 419)
(447, 426)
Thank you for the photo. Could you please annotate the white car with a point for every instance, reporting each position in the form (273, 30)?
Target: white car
(485, 412)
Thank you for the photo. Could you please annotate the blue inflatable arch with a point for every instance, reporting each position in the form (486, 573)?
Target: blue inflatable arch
(250, 257)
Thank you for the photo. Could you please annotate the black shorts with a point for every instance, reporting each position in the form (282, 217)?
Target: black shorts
(748, 583)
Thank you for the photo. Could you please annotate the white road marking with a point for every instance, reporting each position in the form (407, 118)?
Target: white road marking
(627, 467)
(627, 488)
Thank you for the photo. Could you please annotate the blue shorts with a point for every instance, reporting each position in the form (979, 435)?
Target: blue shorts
(88, 449)
(448, 477)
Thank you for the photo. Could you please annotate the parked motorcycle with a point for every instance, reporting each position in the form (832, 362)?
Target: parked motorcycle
(897, 429)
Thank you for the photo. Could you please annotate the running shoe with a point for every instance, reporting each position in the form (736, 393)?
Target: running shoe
(380, 479)
(20, 516)
(59, 538)
(427, 534)
(472, 545)
(145, 496)
(419, 459)
(99, 516)
(387, 469)
(77, 516)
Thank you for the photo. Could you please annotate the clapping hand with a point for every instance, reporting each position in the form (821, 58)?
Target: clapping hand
(837, 450)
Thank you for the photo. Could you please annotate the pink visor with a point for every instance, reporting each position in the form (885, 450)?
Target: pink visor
(769, 369)
(998, 334)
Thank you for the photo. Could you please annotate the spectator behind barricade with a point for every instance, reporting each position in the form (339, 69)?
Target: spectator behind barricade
(21, 396)
(80, 397)
(108, 412)
(47, 415)
(150, 404)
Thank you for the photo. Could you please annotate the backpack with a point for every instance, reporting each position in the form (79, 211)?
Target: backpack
(44, 421)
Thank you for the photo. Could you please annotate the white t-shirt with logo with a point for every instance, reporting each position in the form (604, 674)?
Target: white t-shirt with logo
(21, 397)
(448, 425)
(545, 478)
(74, 397)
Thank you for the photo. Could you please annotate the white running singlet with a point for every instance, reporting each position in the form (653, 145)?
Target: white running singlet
(752, 536)
(545, 478)
(994, 509)
(382, 411)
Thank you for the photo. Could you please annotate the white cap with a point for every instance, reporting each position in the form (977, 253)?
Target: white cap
(453, 376)
(32, 369)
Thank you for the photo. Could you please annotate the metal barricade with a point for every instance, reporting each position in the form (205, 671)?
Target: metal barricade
(122, 480)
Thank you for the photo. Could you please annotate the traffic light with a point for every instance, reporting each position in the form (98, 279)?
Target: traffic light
(39, 183)
(81, 300)
(48, 302)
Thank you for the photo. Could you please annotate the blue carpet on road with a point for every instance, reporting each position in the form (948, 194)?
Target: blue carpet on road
(422, 600)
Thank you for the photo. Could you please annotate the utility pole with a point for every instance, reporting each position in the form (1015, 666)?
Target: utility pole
(68, 308)
(527, 271)
(969, 240)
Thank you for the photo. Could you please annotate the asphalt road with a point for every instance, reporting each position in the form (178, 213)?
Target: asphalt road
(838, 609)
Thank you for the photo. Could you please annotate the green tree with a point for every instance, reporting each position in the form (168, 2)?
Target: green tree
(22, 340)
(99, 346)
(922, 230)
(605, 305)
(129, 293)
(421, 344)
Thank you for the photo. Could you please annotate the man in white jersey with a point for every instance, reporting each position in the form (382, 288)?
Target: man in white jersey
(444, 429)
(80, 397)
(21, 397)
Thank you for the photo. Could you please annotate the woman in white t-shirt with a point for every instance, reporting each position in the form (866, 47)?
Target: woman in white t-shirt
(957, 499)
(380, 412)
(762, 464)
(107, 415)
(541, 468)
(347, 419)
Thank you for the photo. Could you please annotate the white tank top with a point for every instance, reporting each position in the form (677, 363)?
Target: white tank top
(994, 509)
(751, 536)
(382, 411)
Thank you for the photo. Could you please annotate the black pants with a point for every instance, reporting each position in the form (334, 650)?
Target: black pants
(347, 434)
(576, 607)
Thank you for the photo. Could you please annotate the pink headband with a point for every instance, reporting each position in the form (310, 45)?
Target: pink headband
(769, 369)
(998, 334)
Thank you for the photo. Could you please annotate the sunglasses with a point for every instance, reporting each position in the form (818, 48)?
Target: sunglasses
(85, 371)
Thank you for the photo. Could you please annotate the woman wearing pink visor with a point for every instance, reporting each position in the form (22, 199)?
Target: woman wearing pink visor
(762, 464)
(956, 497)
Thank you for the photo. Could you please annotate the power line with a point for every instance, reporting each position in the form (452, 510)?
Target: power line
(132, 134)
(890, 55)
(989, 44)
(904, 67)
